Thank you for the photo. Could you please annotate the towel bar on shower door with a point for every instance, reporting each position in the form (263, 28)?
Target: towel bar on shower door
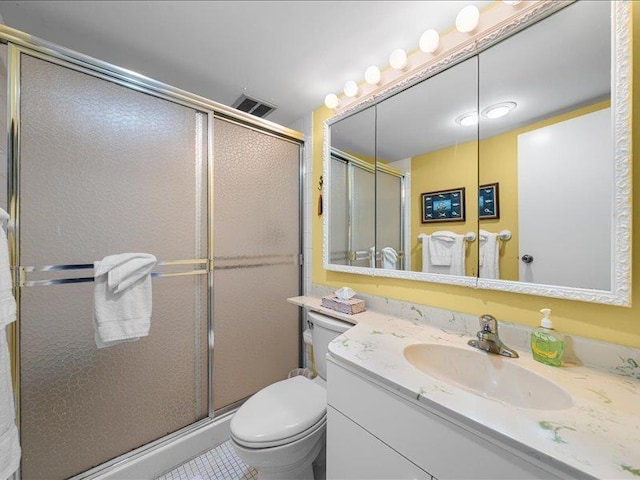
(22, 270)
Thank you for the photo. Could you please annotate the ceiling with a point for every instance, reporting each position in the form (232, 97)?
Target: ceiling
(552, 67)
(289, 53)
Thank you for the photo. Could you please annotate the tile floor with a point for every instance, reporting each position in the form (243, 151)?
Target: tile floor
(221, 463)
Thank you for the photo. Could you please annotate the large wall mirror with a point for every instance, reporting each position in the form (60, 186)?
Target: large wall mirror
(508, 169)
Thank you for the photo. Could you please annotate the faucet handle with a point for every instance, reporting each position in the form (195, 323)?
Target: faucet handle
(488, 323)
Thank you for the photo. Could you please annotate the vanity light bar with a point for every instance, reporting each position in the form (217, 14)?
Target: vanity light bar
(467, 24)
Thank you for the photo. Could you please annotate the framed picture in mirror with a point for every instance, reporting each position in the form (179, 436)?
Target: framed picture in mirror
(443, 206)
(488, 201)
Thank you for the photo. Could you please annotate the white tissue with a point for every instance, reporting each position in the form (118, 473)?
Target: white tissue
(345, 293)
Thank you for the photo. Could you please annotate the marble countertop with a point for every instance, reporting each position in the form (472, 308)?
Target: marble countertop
(599, 435)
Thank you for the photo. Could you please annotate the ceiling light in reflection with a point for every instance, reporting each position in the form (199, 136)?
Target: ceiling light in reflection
(499, 110)
(467, 119)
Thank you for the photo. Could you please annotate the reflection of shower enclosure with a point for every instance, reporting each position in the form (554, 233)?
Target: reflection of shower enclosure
(356, 189)
(103, 164)
(390, 213)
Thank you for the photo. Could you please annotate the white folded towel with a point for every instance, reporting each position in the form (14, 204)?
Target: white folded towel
(122, 298)
(489, 255)
(456, 248)
(7, 302)
(441, 247)
(9, 439)
(372, 257)
(389, 258)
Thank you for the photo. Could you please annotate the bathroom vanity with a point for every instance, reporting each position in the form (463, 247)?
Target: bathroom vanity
(389, 419)
(377, 433)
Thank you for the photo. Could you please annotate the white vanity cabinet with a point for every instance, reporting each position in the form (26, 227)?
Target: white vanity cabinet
(373, 432)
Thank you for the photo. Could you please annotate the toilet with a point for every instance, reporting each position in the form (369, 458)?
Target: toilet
(280, 430)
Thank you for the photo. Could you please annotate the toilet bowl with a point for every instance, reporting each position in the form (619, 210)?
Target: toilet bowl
(280, 430)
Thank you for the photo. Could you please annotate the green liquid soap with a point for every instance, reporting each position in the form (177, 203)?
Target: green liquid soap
(547, 345)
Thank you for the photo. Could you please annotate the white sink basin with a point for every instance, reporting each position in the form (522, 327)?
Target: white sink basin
(488, 375)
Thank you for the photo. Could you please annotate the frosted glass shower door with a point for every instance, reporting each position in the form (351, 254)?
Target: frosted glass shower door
(363, 218)
(105, 169)
(389, 212)
(256, 268)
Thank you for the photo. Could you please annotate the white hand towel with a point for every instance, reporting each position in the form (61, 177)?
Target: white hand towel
(456, 247)
(424, 240)
(372, 257)
(7, 302)
(441, 248)
(489, 254)
(457, 256)
(9, 440)
(122, 298)
(389, 258)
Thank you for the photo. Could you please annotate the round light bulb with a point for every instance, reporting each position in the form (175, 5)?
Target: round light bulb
(429, 41)
(372, 75)
(350, 89)
(468, 119)
(398, 59)
(331, 101)
(467, 19)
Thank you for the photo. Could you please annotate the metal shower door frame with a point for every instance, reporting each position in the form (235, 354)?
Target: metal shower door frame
(18, 44)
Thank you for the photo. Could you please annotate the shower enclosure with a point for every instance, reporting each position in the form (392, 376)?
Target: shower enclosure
(101, 161)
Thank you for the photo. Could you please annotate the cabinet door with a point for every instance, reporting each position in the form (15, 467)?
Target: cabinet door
(431, 441)
(353, 453)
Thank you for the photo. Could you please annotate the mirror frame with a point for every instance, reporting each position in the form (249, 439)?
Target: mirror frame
(620, 293)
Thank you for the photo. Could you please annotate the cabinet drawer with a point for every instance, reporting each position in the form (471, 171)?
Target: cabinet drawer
(354, 454)
(435, 444)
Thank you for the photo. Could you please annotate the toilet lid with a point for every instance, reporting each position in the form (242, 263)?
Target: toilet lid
(280, 411)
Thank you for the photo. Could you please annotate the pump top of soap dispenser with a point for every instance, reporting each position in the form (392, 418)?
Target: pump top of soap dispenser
(546, 322)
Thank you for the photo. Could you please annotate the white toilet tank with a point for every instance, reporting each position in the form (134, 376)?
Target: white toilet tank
(324, 330)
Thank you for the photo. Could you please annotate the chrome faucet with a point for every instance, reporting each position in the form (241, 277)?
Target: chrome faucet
(488, 339)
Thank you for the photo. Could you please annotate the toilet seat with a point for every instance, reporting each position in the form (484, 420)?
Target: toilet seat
(285, 441)
(280, 413)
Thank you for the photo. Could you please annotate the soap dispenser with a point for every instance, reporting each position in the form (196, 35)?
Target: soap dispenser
(547, 345)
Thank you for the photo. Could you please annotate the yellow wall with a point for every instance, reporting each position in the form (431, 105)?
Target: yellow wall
(445, 169)
(613, 324)
(499, 163)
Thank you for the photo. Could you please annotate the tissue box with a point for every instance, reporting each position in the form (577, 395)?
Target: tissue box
(351, 306)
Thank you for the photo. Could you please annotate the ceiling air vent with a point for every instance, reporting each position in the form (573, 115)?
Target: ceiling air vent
(256, 107)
